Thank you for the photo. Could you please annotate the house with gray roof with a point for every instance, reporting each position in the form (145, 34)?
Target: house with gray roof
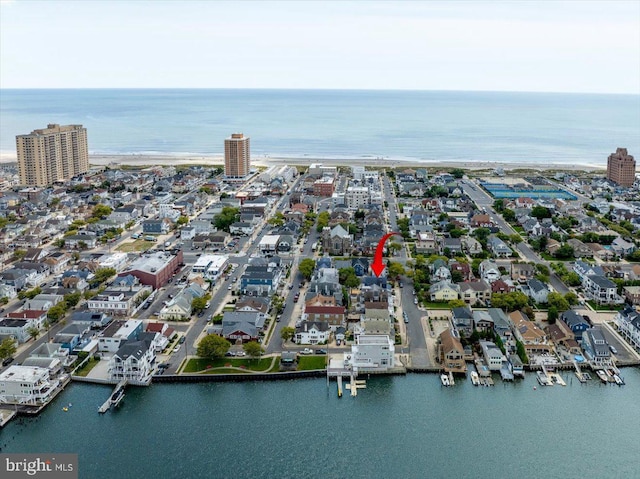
(595, 346)
(241, 326)
(134, 361)
(498, 247)
(537, 290)
(601, 289)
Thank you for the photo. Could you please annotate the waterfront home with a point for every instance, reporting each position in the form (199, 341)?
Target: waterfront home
(451, 353)
(576, 322)
(371, 353)
(133, 361)
(529, 334)
(26, 385)
(53, 350)
(561, 335)
(595, 346)
(516, 366)
(482, 321)
(628, 323)
(71, 335)
(492, 355)
(501, 324)
(241, 326)
(118, 332)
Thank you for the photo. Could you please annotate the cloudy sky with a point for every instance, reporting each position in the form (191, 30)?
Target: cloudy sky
(574, 46)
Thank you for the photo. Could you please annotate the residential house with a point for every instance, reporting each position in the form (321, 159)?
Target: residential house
(443, 291)
(482, 321)
(529, 334)
(628, 323)
(17, 329)
(501, 286)
(71, 335)
(133, 361)
(471, 245)
(501, 324)
(333, 315)
(27, 385)
(451, 245)
(537, 290)
(462, 321)
(561, 335)
(241, 327)
(178, 308)
(622, 247)
(440, 271)
(580, 250)
(632, 294)
(498, 247)
(595, 346)
(370, 353)
(451, 353)
(473, 292)
(492, 355)
(309, 332)
(117, 333)
(522, 272)
(602, 290)
(577, 323)
(489, 271)
(426, 243)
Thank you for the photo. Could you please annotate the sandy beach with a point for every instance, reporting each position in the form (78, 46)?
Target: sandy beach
(266, 161)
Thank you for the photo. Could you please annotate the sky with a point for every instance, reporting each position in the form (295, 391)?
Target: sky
(550, 46)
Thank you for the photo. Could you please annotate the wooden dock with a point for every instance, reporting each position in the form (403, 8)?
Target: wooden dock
(109, 402)
(6, 415)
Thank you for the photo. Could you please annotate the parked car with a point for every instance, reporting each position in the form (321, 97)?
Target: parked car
(182, 339)
(306, 351)
(613, 349)
(321, 351)
(176, 349)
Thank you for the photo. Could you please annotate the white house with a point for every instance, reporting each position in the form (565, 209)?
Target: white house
(313, 332)
(489, 271)
(26, 385)
(133, 361)
(492, 355)
(373, 352)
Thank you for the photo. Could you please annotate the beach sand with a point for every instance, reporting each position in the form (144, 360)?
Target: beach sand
(266, 161)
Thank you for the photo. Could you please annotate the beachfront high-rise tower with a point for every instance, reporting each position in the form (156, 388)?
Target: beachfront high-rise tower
(621, 168)
(55, 153)
(237, 156)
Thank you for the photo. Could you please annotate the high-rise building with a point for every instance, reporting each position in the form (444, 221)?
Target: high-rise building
(621, 168)
(55, 153)
(237, 156)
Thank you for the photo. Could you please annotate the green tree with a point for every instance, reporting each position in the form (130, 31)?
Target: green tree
(395, 269)
(522, 352)
(552, 314)
(558, 301)
(481, 234)
(348, 277)
(540, 212)
(72, 299)
(33, 292)
(403, 226)
(8, 348)
(226, 218)
(277, 219)
(253, 349)
(571, 297)
(457, 173)
(287, 333)
(509, 215)
(306, 267)
(571, 279)
(498, 205)
(565, 251)
(509, 301)
(57, 312)
(33, 332)
(323, 220)
(515, 238)
(198, 304)
(182, 220)
(101, 275)
(212, 346)
(457, 303)
(99, 211)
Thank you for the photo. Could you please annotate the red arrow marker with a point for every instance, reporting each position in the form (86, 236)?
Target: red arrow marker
(378, 265)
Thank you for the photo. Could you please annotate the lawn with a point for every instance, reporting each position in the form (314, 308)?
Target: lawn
(436, 305)
(605, 307)
(137, 245)
(308, 363)
(196, 365)
(87, 367)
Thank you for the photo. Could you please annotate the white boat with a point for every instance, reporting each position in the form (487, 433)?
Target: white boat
(543, 379)
(602, 375)
(444, 379)
(117, 397)
(619, 381)
(475, 380)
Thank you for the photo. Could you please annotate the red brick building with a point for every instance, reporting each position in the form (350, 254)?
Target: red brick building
(156, 269)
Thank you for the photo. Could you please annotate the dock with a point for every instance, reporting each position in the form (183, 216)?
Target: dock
(114, 398)
(6, 415)
(487, 381)
(356, 384)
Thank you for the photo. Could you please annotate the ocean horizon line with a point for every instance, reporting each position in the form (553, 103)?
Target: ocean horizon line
(305, 89)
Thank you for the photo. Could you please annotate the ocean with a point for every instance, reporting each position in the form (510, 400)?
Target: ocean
(399, 427)
(427, 126)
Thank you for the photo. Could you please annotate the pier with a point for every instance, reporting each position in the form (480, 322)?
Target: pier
(114, 398)
(6, 415)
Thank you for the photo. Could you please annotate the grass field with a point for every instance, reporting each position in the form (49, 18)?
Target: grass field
(307, 363)
(196, 365)
(136, 245)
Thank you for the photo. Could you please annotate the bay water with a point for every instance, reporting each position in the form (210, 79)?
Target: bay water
(545, 128)
(398, 427)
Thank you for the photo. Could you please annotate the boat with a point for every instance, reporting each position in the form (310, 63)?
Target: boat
(117, 397)
(619, 381)
(444, 379)
(475, 380)
(65, 409)
(602, 375)
(543, 379)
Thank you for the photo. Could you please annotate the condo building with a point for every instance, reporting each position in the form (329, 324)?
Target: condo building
(621, 168)
(237, 156)
(55, 153)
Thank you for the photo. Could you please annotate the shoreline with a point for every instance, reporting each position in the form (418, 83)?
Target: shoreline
(267, 161)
